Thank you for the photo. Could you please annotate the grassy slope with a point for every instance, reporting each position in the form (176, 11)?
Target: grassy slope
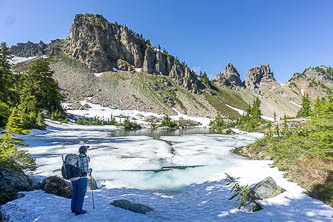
(226, 96)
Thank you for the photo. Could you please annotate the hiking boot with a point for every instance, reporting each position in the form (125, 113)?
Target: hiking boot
(82, 212)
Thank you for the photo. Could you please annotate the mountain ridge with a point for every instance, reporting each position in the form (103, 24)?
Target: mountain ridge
(115, 50)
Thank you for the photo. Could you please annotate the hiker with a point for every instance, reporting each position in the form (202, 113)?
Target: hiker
(79, 184)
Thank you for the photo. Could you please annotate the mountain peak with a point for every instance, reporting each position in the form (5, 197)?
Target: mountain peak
(258, 74)
(229, 78)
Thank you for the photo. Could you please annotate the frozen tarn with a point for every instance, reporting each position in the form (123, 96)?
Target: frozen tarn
(132, 168)
(242, 112)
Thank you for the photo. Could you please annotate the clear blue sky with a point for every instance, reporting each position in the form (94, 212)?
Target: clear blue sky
(290, 35)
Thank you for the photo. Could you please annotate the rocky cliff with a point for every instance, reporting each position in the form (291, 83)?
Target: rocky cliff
(229, 78)
(30, 49)
(257, 75)
(102, 46)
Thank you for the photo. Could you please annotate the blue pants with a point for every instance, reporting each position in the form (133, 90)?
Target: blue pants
(79, 191)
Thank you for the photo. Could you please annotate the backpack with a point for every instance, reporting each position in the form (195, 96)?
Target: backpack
(70, 167)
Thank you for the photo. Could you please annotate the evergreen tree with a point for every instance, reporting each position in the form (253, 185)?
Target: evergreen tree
(305, 111)
(6, 75)
(40, 91)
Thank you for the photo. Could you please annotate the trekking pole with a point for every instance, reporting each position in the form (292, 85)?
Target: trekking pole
(92, 192)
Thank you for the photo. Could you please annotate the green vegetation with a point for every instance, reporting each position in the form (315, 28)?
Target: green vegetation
(224, 96)
(128, 125)
(95, 121)
(168, 122)
(305, 110)
(241, 192)
(252, 119)
(306, 152)
(24, 99)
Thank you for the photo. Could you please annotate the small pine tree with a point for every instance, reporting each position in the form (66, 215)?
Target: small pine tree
(305, 111)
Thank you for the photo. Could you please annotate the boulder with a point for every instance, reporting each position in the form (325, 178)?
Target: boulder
(252, 207)
(127, 205)
(58, 186)
(12, 181)
(267, 188)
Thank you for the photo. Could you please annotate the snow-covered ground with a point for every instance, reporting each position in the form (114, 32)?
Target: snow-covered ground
(144, 170)
(105, 113)
(17, 59)
(242, 112)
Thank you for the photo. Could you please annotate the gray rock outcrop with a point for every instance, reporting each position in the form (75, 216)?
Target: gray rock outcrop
(319, 74)
(257, 75)
(267, 188)
(102, 45)
(229, 78)
(127, 205)
(11, 182)
(29, 49)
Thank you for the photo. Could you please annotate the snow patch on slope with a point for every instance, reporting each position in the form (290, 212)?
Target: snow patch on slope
(242, 112)
(292, 102)
(98, 74)
(17, 59)
(203, 121)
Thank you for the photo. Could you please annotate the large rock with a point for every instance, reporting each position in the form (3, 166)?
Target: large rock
(229, 78)
(251, 207)
(267, 188)
(257, 75)
(11, 182)
(127, 205)
(102, 45)
(58, 186)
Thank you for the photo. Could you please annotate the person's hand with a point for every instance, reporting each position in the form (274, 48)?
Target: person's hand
(90, 171)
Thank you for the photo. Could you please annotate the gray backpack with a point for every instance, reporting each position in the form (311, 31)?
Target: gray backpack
(71, 166)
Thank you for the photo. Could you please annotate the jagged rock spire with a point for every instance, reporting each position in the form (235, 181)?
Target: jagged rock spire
(257, 75)
(229, 78)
